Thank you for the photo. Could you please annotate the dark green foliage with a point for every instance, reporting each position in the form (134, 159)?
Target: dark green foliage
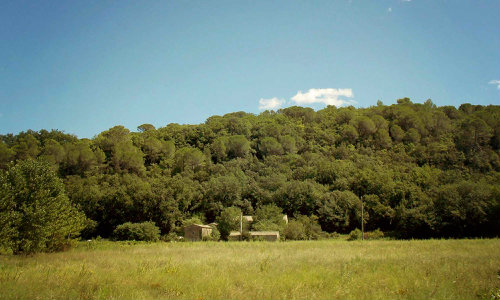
(270, 146)
(294, 230)
(214, 236)
(420, 170)
(237, 146)
(189, 159)
(303, 228)
(312, 229)
(145, 231)
(228, 221)
(35, 213)
(356, 234)
(6, 155)
(339, 211)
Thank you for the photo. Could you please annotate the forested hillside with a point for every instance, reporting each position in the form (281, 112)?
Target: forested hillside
(420, 170)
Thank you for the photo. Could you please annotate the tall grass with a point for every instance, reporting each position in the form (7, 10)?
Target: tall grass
(333, 269)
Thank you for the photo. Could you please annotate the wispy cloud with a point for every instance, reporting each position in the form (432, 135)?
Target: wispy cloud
(325, 96)
(389, 10)
(496, 82)
(405, 0)
(270, 104)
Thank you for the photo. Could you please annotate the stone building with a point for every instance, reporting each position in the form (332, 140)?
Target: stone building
(196, 232)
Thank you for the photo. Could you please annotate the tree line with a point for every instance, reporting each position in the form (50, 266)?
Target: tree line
(419, 170)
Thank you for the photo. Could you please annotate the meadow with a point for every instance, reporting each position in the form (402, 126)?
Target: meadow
(329, 269)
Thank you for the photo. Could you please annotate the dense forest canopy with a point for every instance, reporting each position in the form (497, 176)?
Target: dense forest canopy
(419, 169)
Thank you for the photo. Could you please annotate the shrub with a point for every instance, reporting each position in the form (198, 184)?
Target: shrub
(370, 235)
(215, 236)
(312, 228)
(35, 213)
(374, 235)
(171, 237)
(267, 225)
(354, 235)
(295, 230)
(146, 231)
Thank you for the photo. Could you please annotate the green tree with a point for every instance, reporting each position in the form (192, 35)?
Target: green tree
(219, 149)
(269, 212)
(145, 127)
(155, 150)
(270, 146)
(27, 146)
(121, 154)
(397, 133)
(53, 152)
(40, 216)
(365, 126)
(188, 158)
(349, 133)
(228, 221)
(339, 211)
(289, 144)
(6, 155)
(238, 146)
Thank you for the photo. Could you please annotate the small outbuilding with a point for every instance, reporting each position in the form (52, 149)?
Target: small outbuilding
(271, 236)
(196, 232)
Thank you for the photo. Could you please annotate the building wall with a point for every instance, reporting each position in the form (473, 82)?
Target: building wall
(195, 233)
(271, 238)
(206, 232)
(192, 233)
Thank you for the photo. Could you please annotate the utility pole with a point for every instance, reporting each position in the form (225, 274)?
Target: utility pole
(362, 220)
(241, 226)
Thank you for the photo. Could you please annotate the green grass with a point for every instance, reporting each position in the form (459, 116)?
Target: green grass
(332, 269)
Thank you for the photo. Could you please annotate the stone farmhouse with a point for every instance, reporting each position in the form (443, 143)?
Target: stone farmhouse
(196, 232)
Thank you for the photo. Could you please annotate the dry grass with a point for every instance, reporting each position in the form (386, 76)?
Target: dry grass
(334, 269)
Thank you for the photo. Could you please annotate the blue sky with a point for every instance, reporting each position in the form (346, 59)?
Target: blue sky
(85, 66)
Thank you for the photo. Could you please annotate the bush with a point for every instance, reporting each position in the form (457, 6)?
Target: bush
(35, 213)
(332, 235)
(215, 236)
(374, 235)
(267, 225)
(171, 237)
(295, 230)
(312, 228)
(354, 235)
(146, 231)
(370, 235)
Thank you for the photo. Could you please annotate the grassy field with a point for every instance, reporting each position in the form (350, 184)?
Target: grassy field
(333, 269)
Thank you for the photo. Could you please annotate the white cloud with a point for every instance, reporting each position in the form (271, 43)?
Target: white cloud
(270, 104)
(325, 96)
(496, 82)
(389, 9)
(405, 0)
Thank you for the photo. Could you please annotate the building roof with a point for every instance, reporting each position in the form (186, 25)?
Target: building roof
(258, 233)
(234, 233)
(198, 225)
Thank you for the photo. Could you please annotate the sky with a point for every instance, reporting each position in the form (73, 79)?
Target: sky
(83, 67)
